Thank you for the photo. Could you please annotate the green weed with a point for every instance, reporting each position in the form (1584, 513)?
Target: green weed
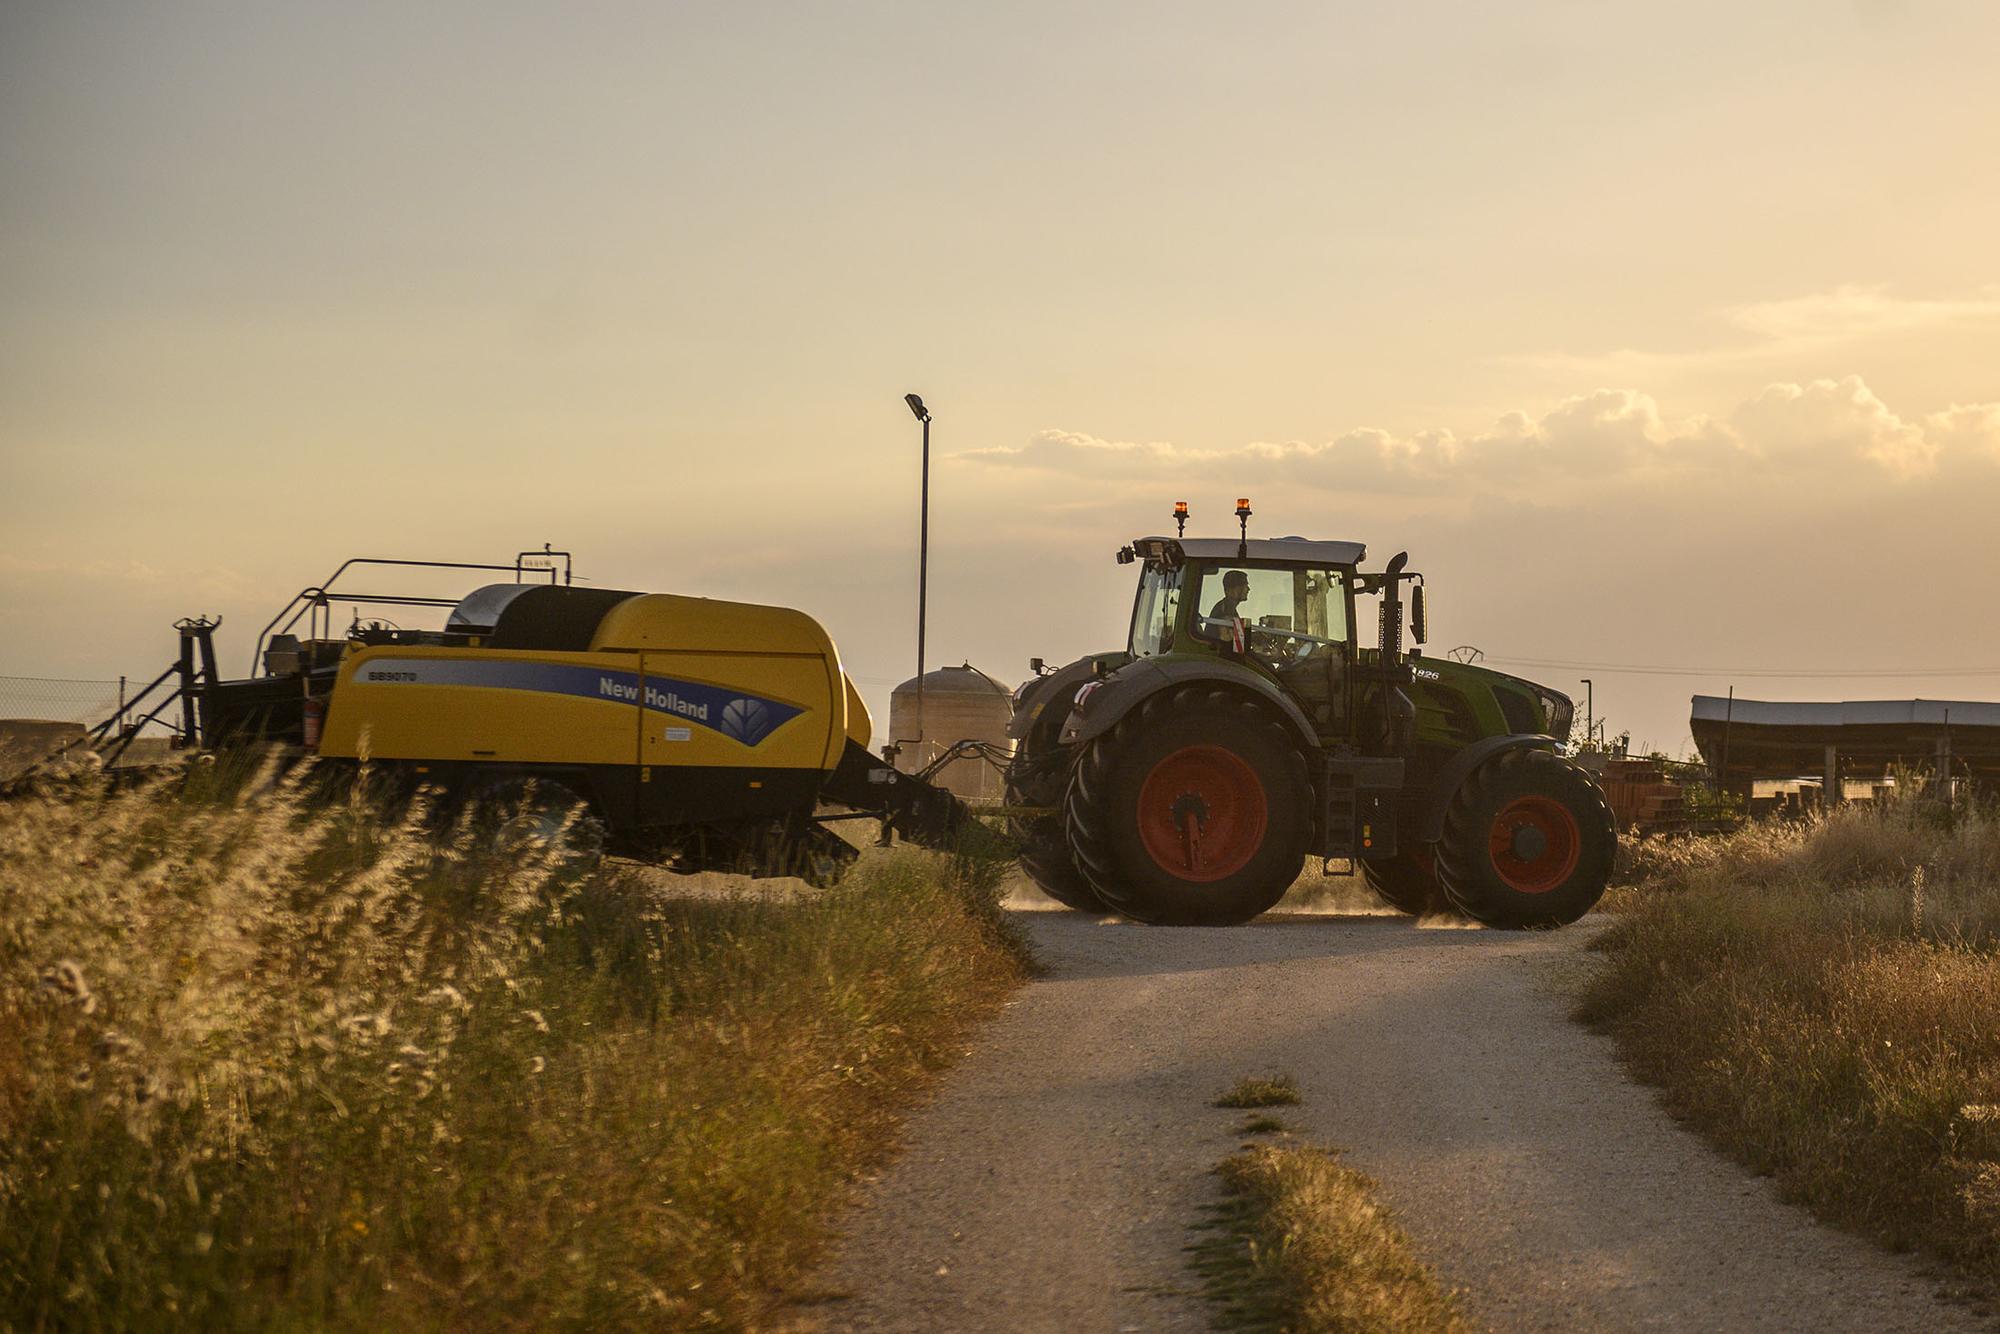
(1270, 1091)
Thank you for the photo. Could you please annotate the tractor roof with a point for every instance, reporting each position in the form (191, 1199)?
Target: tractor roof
(1291, 550)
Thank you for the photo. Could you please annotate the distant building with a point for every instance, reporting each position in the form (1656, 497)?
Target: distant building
(1744, 741)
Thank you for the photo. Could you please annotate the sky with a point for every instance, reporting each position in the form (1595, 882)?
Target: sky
(1665, 338)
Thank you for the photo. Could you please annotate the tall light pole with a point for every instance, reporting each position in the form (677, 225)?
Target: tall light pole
(1589, 711)
(923, 414)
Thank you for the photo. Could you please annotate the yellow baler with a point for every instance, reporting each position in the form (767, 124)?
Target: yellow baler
(697, 732)
(676, 708)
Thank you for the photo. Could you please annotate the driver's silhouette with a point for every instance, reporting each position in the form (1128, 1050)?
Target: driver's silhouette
(1235, 588)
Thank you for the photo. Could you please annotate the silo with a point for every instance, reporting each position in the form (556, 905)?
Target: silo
(960, 704)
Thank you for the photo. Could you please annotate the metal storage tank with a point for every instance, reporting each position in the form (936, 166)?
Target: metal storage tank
(960, 704)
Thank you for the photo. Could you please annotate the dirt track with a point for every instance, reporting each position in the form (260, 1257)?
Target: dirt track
(1051, 1185)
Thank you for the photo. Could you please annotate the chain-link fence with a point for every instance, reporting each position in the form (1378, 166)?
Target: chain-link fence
(61, 699)
(45, 716)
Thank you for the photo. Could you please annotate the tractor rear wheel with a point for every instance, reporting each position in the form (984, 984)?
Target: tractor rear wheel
(1043, 853)
(1406, 884)
(1193, 811)
(1528, 841)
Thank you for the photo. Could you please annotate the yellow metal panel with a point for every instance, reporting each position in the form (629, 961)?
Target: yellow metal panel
(421, 703)
(738, 711)
(860, 726)
(710, 625)
(776, 650)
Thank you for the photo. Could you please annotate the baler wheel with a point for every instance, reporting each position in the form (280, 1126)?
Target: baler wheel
(523, 815)
(1528, 841)
(1193, 811)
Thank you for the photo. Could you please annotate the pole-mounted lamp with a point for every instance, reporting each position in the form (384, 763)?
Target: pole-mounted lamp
(1180, 518)
(1243, 526)
(922, 414)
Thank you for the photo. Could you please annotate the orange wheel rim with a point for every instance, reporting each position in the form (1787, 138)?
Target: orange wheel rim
(1535, 844)
(1202, 813)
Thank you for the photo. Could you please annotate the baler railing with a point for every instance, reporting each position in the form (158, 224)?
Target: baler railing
(312, 598)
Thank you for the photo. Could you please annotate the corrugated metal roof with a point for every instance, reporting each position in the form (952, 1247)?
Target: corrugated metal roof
(1770, 739)
(1848, 713)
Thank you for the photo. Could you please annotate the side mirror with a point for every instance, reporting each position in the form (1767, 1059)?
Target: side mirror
(1417, 618)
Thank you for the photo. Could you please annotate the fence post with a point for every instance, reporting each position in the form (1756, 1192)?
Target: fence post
(1944, 760)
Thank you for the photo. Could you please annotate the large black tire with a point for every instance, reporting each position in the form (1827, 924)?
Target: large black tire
(1528, 841)
(1043, 851)
(1194, 810)
(1405, 885)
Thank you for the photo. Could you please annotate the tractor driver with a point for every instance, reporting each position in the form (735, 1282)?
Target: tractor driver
(1235, 588)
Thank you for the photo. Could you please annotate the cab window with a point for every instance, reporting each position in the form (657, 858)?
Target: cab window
(1290, 604)
(1153, 613)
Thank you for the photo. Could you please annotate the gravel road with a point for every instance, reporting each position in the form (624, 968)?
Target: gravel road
(1051, 1184)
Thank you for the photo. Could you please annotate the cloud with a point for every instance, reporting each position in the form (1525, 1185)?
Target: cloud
(1784, 327)
(20, 572)
(1832, 431)
(1370, 458)
(1854, 312)
(1970, 430)
(1839, 421)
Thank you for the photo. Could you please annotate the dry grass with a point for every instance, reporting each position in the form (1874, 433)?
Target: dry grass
(1316, 891)
(269, 1060)
(1823, 1000)
(26, 742)
(1301, 1244)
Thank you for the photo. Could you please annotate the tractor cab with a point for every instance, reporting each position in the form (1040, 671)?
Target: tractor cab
(1282, 606)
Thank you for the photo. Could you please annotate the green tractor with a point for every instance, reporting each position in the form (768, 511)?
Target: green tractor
(1184, 779)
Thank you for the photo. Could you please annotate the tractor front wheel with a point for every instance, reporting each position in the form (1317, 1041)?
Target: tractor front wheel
(1194, 810)
(1043, 854)
(1528, 841)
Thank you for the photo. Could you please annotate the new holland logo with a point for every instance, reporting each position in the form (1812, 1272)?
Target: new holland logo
(747, 720)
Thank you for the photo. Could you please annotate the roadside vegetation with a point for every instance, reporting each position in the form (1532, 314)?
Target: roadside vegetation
(1299, 1242)
(1822, 999)
(1261, 1091)
(268, 1058)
